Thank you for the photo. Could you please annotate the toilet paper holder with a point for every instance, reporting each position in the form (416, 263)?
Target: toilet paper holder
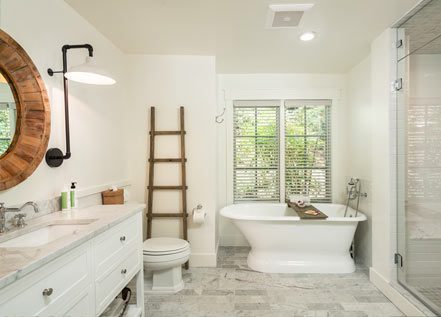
(195, 209)
(198, 215)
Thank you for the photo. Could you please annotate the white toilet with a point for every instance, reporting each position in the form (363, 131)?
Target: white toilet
(163, 258)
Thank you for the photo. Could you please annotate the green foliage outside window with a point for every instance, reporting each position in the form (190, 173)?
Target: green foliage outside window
(256, 157)
(257, 152)
(307, 152)
(5, 130)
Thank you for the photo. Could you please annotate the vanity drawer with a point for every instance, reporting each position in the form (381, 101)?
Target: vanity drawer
(63, 278)
(112, 245)
(110, 284)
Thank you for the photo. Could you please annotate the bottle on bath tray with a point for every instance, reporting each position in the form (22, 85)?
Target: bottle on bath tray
(65, 199)
(73, 196)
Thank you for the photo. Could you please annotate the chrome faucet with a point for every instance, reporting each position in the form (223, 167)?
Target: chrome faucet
(20, 216)
(354, 192)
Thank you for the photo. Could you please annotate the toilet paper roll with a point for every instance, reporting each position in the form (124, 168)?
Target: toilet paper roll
(199, 216)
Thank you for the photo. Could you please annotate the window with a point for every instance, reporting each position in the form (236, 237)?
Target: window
(308, 149)
(305, 166)
(7, 125)
(256, 151)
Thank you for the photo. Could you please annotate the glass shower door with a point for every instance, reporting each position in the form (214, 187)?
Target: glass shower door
(419, 154)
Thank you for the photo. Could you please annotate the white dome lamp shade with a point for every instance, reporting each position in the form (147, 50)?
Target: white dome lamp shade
(89, 73)
(86, 73)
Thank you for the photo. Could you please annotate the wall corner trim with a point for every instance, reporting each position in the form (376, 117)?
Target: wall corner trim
(393, 294)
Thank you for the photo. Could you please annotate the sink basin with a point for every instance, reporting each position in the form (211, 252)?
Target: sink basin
(47, 234)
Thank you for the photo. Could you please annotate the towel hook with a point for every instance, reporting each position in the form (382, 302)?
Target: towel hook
(219, 117)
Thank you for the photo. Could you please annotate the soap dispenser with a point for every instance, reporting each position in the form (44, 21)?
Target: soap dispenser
(73, 195)
(65, 199)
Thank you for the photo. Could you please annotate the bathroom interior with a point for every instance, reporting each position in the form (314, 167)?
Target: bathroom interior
(220, 158)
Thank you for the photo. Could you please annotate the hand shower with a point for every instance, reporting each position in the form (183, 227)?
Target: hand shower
(352, 192)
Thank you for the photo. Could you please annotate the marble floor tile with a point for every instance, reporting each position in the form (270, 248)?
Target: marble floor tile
(233, 289)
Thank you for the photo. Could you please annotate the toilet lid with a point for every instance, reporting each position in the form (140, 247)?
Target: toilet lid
(164, 245)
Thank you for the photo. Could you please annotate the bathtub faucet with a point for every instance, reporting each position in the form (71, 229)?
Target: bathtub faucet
(354, 192)
(351, 189)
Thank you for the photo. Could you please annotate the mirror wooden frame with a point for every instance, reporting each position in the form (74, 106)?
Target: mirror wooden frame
(33, 114)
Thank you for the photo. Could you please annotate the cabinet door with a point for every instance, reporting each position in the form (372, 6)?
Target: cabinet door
(108, 286)
(65, 278)
(82, 306)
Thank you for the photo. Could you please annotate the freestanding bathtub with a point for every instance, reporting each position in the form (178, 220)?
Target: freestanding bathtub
(283, 243)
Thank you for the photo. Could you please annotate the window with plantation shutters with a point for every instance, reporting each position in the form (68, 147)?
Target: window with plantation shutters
(308, 149)
(256, 151)
(267, 168)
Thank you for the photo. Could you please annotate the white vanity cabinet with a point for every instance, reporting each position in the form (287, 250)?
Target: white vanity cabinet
(84, 280)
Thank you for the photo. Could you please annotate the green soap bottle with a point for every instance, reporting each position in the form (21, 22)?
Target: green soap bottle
(65, 201)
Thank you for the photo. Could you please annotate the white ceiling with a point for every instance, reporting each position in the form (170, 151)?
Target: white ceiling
(234, 31)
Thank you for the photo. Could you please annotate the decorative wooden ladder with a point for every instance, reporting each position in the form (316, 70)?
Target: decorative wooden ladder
(183, 187)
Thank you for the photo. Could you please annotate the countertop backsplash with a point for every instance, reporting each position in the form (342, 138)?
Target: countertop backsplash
(52, 205)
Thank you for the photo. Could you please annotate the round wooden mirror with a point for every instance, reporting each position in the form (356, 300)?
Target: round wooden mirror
(24, 114)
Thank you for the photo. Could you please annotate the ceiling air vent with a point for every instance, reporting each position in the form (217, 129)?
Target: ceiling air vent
(286, 15)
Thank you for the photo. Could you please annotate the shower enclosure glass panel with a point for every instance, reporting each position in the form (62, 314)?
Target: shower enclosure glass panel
(419, 154)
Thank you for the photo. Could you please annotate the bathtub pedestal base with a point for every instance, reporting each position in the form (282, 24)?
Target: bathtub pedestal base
(271, 263)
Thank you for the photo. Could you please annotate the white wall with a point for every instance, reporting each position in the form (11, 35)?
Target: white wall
(279, 86)
(168, 82)
(98, 138)
(383, 132)
(359, 131)
(109, 123)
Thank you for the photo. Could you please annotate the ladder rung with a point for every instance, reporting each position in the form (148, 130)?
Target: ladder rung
(167, 160)
(168, 187)
(167, 132)
(167, 215)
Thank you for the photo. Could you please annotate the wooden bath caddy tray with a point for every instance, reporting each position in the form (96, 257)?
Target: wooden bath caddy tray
(301, 211)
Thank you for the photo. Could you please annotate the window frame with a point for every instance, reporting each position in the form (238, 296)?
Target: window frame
(326, 100)
(258, 104)
(327, 136)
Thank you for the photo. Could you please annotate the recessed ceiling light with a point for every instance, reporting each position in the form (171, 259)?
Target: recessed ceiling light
(307, 36)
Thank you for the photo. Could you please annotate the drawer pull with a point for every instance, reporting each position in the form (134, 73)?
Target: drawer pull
(122, 239)
(48, 291)
(123, 271)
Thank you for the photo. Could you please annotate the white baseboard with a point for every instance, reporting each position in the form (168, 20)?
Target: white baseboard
(203, 260)
(394, 295)
(233, 241)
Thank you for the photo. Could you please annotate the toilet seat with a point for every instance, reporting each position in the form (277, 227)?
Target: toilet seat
(165, 249)
(149, 258)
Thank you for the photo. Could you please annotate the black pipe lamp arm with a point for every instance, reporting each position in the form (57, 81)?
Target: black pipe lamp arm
(54, 156)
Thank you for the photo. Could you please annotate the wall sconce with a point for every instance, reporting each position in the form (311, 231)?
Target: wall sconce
(86, 73)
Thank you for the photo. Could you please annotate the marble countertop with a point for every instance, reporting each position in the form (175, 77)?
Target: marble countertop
(17, 262)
